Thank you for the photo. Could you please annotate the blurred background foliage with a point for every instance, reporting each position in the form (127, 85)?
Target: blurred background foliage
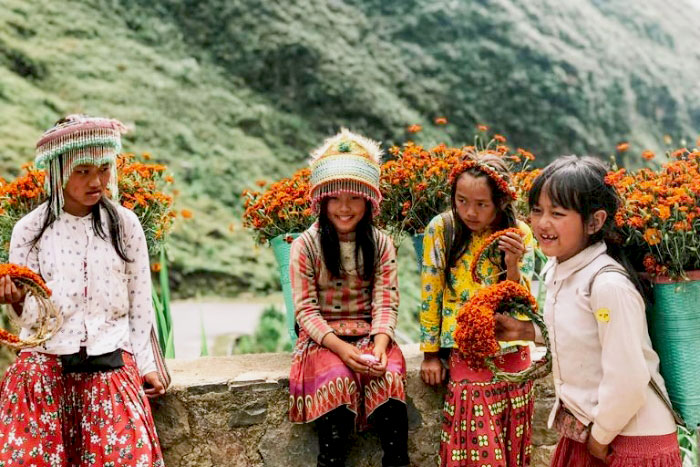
(227, 92)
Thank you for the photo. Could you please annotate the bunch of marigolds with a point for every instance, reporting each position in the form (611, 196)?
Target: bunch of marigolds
(284, 207)
(415, 187)
(661, 213)
(141, 189)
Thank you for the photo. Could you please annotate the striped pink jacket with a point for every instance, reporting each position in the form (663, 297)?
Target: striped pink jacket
(321, 303)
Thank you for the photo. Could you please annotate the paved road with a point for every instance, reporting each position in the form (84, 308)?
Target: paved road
(229, 318)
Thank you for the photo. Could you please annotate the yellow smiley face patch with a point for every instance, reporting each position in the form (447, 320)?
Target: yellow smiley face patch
(602, 315)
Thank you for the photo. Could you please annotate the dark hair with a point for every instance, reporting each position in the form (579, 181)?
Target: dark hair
(578, 184)
(364, 242)
(114, 223)
(505, 218)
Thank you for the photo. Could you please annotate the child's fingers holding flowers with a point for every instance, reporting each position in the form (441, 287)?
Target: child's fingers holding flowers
(512, 245)
(9, 292)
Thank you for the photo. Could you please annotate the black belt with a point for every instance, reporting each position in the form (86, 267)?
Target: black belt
(81, 362)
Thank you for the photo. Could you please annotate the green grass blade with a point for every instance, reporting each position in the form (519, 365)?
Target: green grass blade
(204, 351)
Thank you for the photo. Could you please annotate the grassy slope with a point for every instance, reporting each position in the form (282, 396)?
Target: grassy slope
(230, 91)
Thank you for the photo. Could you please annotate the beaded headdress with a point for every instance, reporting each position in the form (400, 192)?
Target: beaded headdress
(77, 140)
(346, 163)
(472, 162)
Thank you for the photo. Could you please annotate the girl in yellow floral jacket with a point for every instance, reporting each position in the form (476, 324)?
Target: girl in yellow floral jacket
(484, 422)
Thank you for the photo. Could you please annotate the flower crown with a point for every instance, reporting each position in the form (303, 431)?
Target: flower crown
(497, 178)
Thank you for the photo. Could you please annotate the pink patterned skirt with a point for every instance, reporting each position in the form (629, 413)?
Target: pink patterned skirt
(625, 451)
(487, 423)
(319, 381)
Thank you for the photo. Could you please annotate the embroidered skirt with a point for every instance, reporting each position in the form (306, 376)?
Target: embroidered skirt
(319, 381)
(625, 451)
(31, 412)
(109, 420)
(487, 423)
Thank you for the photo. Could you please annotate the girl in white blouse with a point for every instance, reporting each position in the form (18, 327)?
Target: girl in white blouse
(79, 399)
(610, 407)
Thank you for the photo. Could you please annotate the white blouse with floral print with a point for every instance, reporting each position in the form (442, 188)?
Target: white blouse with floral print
(105, 301)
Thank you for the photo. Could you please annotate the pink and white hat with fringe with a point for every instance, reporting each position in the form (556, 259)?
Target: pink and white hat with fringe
(346, 163)
(77, 140)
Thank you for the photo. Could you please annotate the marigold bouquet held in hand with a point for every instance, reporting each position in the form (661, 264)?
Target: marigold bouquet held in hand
(48, 321)
(661, 214)
(475, 337)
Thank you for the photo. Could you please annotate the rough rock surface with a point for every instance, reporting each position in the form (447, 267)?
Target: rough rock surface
(232, 411)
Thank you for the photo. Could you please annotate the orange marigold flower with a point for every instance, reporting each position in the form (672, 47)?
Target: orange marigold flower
(169, 179)
(481, 127)
(415, 128)
(652, 236)
(622, 147)
(156, 267)
(648, 155)
(499, 138)
(261, 183)
(441, 121)
(186, 213)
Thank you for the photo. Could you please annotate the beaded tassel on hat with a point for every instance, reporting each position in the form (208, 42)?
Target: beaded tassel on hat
(346, 163)
(78, 140)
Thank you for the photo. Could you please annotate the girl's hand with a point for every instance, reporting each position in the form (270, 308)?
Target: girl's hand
(9, 292)
(152, 385)
(381, 342)
(512, 245)
(597, 449)
(511, 329)
(431, 369)
(348, 353)
(352, 357)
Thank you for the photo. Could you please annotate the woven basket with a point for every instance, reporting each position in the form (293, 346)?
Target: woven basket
(674, 326)
(281, 246)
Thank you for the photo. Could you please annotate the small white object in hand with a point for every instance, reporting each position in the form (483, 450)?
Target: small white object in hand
(369, 358)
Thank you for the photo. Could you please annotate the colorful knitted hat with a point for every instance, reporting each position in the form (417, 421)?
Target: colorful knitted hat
(346, 163)
(77, 140)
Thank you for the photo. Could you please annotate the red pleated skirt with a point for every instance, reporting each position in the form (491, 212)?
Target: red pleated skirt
(32, 398)
(625, 451)
(76, 419)
(484, 422)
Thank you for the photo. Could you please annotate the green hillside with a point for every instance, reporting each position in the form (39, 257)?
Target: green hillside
(227, 92)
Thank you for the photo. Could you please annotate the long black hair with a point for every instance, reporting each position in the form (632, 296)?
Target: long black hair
(364, 243)
(114, 223)
(578, 184)
(505, 217)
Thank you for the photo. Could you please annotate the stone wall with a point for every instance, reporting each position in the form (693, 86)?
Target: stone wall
(232, 411)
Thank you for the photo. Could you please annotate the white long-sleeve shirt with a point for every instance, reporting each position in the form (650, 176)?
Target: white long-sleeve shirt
(602, 355)
(105, 301)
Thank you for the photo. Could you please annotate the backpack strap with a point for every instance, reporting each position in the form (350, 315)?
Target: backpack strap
(448, 232)
(606, 268)
(654, 385)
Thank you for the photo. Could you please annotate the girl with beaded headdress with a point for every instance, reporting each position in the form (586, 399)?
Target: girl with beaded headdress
(346, 365)
(79, 398)
(484, 422)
